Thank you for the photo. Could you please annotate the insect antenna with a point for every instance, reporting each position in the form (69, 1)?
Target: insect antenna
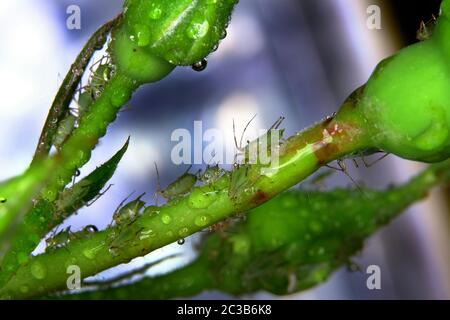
(343, 168)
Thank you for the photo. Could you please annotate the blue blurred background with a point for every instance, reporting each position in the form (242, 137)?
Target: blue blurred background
(299, 59)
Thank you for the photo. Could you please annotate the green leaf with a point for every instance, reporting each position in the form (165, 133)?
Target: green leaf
(89, 187)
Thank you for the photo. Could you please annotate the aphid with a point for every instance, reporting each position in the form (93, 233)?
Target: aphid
(128, 212)
(101, 72)
(122, 238)
(179, 187)
(426, 29)
(70, 196)
(99, 78)
(369, 164)
(84, 102)
(65, 128)
(211, 174)
(253, 152)
(240, 150)
(343, 168)
(239, 180)
(58, 240)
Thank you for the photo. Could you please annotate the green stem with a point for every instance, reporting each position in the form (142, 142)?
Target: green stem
(300, 155)
(68, 87)
(75, 153)
(298, 235)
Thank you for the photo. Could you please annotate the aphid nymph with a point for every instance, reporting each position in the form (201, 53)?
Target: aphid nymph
(128, 212)
(179, 187)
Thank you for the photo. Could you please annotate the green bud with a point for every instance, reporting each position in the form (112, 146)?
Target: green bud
(406, 102)
(181, 32)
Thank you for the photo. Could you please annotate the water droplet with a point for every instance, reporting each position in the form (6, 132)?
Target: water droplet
(181, 242)
(169, 234)
(156, 12)
(202, 221)
(199, 199)
(183, 232)
(142, 35)
(90, 228)
(166, 219)
(77, 173)
(198, 29)
(3, 200)
(200, 65)
(223, 34)
(38, 270)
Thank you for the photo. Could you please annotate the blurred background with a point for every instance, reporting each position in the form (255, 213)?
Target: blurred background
(295, 58)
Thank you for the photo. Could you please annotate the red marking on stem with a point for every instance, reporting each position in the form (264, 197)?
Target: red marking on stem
(260, 197)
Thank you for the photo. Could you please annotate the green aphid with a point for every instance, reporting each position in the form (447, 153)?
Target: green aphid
(99, 78)
(70, 196)
(241, 180)
(253, 149)
(179, 187)
(65, 128)
(211, 174)
(122, 237)
(85, 100)
(128, 212)
(59, 240)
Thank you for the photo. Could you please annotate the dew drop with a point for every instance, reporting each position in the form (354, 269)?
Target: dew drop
(142, 35)
(181, 242)
(198, 30)
(3, 200)
(199, 199)
(183, 232)
(77, 173)
(200, 65)
(90, 229)
(156, 12)
(166, 219)
(223, 34)
(202, 221)
(38, 270)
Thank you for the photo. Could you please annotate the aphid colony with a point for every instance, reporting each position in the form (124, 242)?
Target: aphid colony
(101, 72)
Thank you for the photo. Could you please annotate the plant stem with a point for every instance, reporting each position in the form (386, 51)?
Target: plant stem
(68, 87)
(73, 155)
(300, 155)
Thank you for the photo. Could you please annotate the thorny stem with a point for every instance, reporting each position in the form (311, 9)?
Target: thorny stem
(300, 155)
(68, 87)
